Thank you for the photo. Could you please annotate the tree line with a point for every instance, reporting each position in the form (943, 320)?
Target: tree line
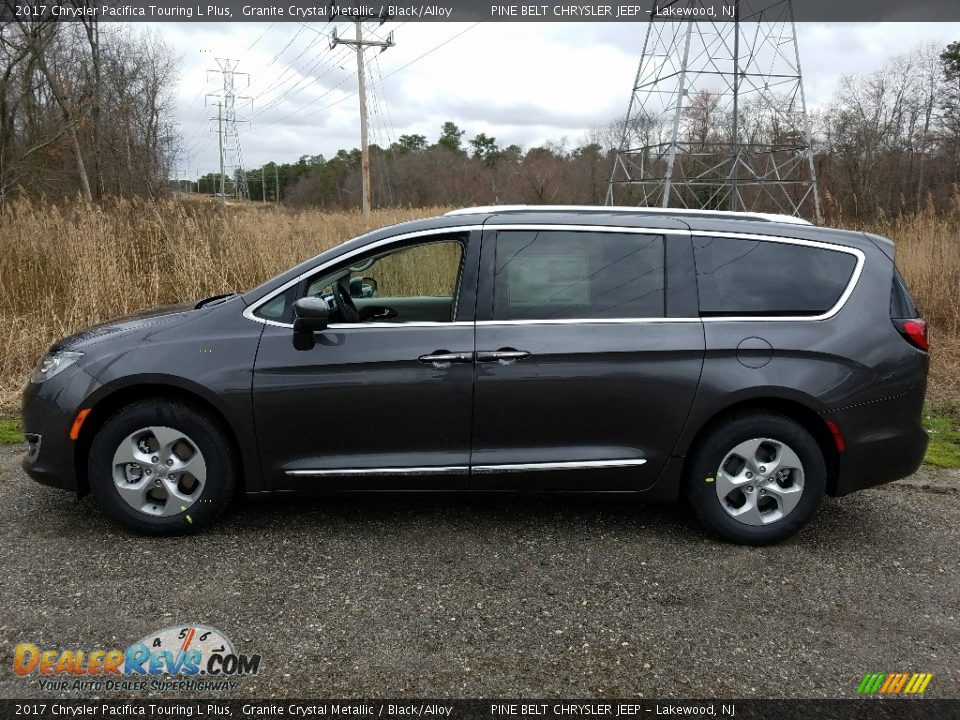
(90, 111)
(887, 143)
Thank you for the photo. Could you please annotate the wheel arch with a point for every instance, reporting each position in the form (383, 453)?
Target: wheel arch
(800, 413)
(106, 403)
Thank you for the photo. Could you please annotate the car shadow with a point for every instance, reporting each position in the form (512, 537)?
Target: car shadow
(862, 517)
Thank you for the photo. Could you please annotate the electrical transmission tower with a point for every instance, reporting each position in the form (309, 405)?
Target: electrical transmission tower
(231, 154)
(717, 118)
(359, 44)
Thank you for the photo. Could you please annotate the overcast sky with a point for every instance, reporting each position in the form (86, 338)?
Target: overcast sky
(522, 83)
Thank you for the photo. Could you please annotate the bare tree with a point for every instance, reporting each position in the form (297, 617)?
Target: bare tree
(57, 60)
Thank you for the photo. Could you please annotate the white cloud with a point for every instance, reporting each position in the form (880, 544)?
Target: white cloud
(524, 83)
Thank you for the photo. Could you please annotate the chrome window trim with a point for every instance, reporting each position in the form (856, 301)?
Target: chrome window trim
(569, 465)
(249, 312)
(837, 307)
(592, 321)
(252, 308)
(762, 237)
(419, 323)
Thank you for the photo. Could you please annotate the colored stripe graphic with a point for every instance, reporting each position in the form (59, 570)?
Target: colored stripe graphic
(871, 683)
(918, 683)
(894, 683)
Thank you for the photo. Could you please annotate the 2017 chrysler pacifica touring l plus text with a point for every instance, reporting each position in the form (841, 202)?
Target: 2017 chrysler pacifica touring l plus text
(750, 363)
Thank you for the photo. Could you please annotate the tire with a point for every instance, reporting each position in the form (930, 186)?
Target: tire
(776, 502)
(153, 482)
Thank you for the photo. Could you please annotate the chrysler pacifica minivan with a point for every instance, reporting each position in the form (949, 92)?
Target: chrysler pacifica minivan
(747, 363)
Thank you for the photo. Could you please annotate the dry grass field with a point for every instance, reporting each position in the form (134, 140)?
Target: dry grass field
(63, 267)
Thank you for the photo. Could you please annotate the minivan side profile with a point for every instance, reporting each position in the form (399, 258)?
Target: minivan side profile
(748, 363)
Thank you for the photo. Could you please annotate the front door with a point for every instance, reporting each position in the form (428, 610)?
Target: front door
(383, 399)
(583, 381)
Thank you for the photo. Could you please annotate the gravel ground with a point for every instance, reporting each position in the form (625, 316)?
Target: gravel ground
(445, 596)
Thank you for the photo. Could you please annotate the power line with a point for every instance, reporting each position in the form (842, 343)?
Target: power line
(317, 99)
(276, 57)
(305, 82)
(254, 43)
(300, 110)
(432, 50)
(383, 93)
(381, 131)
(290, 67)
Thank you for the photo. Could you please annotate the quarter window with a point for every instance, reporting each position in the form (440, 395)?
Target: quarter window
(561, 275)
(737, 276)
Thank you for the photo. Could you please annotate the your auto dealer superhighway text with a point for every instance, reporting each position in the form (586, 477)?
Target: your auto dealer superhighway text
(609, 709)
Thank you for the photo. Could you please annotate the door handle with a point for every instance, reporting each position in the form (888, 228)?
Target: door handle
(503, 355)
(444, 358)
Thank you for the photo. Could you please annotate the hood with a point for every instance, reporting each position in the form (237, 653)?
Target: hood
(137, 321)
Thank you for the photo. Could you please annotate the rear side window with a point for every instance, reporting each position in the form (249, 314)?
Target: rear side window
(760, 278)
(901, 301)
(560, 275)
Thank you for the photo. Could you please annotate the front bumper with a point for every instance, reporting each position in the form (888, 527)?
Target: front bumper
(885, 441)
(48, 410)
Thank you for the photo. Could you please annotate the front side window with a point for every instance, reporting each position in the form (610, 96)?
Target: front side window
(577, 275)
(740, 277)
(413, 283)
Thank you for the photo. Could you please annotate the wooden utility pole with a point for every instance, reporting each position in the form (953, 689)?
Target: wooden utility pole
(359, 43)
(276, 178)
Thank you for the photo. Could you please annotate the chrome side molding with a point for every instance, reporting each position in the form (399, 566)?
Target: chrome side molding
(479, 469)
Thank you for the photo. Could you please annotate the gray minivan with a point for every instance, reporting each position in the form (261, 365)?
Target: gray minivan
(749, 363)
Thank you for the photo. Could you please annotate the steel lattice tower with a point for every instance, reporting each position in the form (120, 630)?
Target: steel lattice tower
(231, 155)
(717, 118)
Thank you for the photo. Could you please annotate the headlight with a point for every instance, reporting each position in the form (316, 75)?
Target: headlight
(53, 363)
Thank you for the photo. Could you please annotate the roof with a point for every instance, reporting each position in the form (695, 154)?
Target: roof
(667, 212)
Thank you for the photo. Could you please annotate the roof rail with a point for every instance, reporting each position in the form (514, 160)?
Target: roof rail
(669, 212)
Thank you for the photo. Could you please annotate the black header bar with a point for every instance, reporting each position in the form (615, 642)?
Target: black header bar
(478, 10)
(420, 709)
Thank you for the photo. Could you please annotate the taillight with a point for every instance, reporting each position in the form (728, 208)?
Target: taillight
(915, 332)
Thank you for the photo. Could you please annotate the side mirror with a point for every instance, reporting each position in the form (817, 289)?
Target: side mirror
(310, 315)
(363, 287)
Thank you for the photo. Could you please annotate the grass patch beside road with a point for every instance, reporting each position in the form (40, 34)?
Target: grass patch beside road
(942, 423)
(10, 431)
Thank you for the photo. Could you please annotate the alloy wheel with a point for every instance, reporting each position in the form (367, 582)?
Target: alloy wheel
(760, 481)
(159, 471)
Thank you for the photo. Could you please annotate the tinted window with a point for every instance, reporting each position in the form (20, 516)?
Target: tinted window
(752, 277)
(417, 281)
(901, 302)
(556, 275)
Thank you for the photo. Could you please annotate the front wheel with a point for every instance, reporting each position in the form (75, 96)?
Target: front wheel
(161, 468)
(756, 479)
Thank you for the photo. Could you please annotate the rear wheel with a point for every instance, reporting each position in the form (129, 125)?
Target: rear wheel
(161, 468)
(756, 479)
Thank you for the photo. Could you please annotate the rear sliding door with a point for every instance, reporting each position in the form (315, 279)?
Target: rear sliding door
(583, 380)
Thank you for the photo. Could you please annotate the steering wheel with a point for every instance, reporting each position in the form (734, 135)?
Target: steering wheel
(346, 308)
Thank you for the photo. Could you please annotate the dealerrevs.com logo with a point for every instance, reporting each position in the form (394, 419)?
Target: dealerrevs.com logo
(192, 657)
